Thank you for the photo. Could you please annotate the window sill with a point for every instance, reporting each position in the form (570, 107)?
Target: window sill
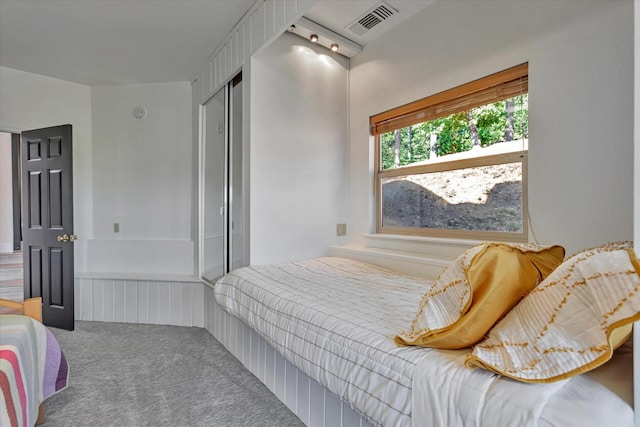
(434, 246)
(418, 256)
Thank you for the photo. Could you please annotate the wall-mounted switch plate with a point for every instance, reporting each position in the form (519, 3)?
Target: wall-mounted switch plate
(341, 229)
(116, 227)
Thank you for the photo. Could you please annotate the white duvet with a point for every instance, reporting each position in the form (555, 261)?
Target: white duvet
(335, 319)
(446, 394)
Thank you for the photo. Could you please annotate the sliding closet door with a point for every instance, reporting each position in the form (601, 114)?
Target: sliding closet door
(223, 209)
(214, 187)
(237, 213)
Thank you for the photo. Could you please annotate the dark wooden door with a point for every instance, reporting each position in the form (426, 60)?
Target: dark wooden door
(47, 226)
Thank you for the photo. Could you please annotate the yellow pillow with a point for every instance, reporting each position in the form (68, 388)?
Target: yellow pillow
(476, 291)
(571, 322)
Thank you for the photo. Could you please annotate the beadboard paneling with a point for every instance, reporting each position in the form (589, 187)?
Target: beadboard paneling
(139, 301)
(269, 17)
(279, 15)
(209, 79)
(305, 397)
(257, 28)
(263, 23)
(218, 74)
(239, 46)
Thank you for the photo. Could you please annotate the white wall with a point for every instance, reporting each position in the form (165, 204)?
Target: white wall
(636, 326)
(298, 148)
(580, 58)
(6, 194)
(135, 172)
(143, 175)
(31, 101)
(637, 145)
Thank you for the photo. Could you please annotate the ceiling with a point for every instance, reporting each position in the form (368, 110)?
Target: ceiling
(105, 42)
(109, 42)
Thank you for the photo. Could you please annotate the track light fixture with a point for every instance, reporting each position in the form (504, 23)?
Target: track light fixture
(323, 36)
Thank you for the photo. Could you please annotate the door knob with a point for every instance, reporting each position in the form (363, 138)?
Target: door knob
(63, 238)
(73, 238)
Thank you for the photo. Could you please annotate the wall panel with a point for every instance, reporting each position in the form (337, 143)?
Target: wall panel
(228, 57)
(279, 16)
(154, 303)
(303, 400)
(291, 386)
(239, 46)
(269, 17)
(291, 11)
(201, 87)
(303, 5)
(108, 301)
(208, 81)
(218, 69)
(178, 303)
(130, 301)
(98, 296)
(257, 28)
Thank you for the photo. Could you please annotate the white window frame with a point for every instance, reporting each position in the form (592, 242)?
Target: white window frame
(478, 92)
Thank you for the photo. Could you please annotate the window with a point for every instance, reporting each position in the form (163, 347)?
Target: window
(455, 164)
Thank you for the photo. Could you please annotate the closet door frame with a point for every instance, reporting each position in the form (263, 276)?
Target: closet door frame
(226, 211)
(205, 211)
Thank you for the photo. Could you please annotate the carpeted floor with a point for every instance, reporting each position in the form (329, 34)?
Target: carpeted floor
(144, 375)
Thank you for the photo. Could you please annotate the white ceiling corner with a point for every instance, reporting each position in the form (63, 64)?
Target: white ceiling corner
(104, 42)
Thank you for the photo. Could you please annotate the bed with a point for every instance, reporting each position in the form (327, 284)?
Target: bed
(32, 365)
(335, 320)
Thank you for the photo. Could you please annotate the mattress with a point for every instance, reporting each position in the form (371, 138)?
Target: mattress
(335, 319)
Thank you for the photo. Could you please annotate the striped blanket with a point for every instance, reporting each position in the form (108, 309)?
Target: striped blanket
(32, 368)
(335, 319)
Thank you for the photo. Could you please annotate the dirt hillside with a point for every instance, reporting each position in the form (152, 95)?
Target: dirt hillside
(483, 198)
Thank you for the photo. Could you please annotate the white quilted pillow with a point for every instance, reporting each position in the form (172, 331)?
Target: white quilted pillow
(571, 322)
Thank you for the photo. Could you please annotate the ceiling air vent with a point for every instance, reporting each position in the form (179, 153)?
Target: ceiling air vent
(372, 18)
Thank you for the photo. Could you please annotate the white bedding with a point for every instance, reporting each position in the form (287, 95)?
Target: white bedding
(474, 397)
(335, 319)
